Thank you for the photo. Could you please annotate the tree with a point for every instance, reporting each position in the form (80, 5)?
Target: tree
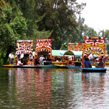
(106, 34)
(90, 31)
(2, 3)
(58, 16)
(11, 28)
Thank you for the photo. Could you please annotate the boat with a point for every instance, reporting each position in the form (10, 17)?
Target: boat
(73, 67)
(94, 45)
(106, 63)
(44, 48)
(28, 66)
(41, 66)
(60, 66)
(77, 49)
(24, 47)
(94, 70)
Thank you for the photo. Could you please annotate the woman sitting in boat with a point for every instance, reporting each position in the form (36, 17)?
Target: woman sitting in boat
(87, 63)
(100, 64)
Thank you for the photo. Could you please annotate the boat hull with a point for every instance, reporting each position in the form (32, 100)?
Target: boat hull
(73, 67)
(94, 69)
(60, 66)
(28, 66)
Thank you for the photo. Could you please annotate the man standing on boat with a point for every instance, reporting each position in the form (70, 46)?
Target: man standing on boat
(11, 58)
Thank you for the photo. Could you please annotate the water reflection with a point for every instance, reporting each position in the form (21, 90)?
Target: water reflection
(93, 89)
(53, 88)
(43, 83)
(7, 88)
(66, 88)
(47, 88)
(33, 87)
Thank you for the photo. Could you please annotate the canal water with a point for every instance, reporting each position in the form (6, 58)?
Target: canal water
(53, 89)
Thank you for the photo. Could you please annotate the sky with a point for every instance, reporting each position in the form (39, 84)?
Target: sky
(96, 14)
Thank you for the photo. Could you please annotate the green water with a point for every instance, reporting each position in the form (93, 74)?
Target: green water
(53, 89)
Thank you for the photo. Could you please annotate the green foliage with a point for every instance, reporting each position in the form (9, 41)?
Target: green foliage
(106, 34)
(90, 31)
(59, 17)
(11, 28)
(19, 25)
(108, 47)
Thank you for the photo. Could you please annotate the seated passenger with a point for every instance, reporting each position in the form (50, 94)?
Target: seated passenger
(31, 56)
(87, 63)
(36, 62)
(41, 60)
(19, 62)
(100, 64)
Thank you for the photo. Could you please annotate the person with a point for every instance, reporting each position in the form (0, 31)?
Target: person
(100, 64)
(21, 56)
(19, 53)
(36, 62)
(90, 57)
(31, 56)
(41, 60)
(19, 62)
(16, 58)
(11, 58)
(87, 63)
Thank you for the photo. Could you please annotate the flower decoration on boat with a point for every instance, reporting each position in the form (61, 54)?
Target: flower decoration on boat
(76, 46)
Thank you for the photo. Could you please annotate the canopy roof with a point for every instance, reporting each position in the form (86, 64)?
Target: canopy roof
(62, 52)
(58, 52)
(69, 53)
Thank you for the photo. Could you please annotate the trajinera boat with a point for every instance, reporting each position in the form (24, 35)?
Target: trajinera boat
(94, 50)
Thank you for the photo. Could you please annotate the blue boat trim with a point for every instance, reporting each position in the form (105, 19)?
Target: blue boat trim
(75, 67)
(94, 69)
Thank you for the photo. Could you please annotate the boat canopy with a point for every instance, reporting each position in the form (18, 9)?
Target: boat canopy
(69, 53)
(43, 45)
(78, 53)
(58, 52)
(62, 52)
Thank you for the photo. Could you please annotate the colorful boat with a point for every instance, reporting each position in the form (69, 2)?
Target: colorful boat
(73, 67)
(94, 70)
(77, 49)
(28, 66)
(64, 63)
(25, 47)
(60, 66)
(96, 46)
(43, 47)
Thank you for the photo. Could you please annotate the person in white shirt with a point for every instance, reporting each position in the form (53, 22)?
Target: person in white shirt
(90, 57)
(19, 62)
(22, 56)
(41, 60)
(11, 58)
(31, 56)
